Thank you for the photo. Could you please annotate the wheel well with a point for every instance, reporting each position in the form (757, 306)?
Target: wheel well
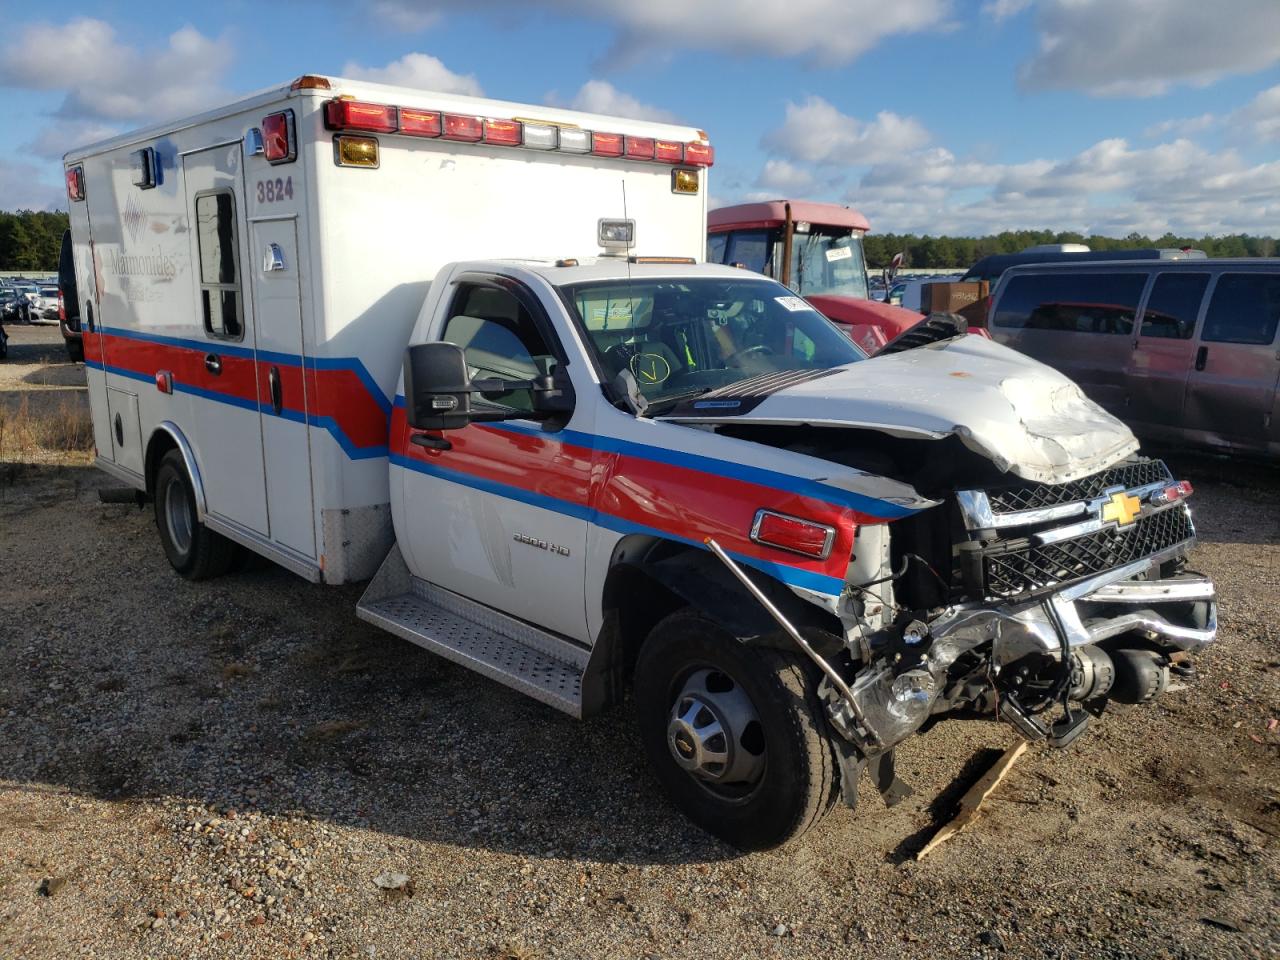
(161, 442)
(633, 604)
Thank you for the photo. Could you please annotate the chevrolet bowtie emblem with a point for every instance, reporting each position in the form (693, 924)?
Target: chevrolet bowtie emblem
(1121, 508)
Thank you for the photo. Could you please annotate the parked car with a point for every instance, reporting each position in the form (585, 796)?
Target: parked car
(1181, 350)
(48, 307)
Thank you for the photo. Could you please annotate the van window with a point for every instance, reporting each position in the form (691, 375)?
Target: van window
(1072, 302)
(715, 247)
(219, 276)
(1244, 309)
(751, 249)
(1174, 304)
(500, 338)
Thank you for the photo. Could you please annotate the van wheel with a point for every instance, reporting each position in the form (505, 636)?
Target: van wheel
(75, 349)
(735, 734)
(194, 550)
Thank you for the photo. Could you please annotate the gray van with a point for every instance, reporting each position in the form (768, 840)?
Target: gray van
(1181, 350)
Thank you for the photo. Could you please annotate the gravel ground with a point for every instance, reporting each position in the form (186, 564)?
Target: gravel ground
(230, 769)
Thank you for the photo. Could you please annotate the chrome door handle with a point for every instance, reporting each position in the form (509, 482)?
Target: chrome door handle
(277, 394)
(213, 363)
(272, 258)
(1202, 356)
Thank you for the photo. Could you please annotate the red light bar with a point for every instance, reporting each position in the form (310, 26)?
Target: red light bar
(355, 115)
(667, 151)
(469, 129)
(277, 138)
(75, 183)
(793, 534)
(639, 148)
(606, 144)
(699, 154)
(419, 123)
(508, 133)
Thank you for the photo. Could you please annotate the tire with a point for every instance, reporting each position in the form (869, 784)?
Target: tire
(783, 772)
(194, 551)
(75, 349)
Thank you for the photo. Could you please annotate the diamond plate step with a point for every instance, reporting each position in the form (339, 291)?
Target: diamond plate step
(536, 663)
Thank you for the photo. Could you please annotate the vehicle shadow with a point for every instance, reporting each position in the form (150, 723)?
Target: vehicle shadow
(260, 691)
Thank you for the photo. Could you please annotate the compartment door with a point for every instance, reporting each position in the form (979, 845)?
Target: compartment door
(277, 301)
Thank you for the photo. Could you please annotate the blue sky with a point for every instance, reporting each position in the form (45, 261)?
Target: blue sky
(939, 116)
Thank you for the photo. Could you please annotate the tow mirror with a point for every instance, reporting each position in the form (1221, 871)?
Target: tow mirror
(437, 387)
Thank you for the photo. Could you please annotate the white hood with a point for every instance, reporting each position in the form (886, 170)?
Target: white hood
(1026, 418)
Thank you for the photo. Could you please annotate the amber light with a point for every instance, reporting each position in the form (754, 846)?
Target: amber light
(355, 151)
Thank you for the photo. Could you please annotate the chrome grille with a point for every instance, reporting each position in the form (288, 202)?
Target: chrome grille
(1036, 496)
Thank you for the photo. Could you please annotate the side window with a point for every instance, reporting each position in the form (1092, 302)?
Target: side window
(715, 247)
(219, 269)
(751, 248)
(1244, 309)
(1174, 305)
(1072, 302)
(500, 338)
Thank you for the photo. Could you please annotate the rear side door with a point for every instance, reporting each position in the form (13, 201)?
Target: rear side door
(1164, 349)
(82, 254)
(1232, 385)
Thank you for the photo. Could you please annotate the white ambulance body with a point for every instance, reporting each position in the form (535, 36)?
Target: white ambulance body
(277, 295)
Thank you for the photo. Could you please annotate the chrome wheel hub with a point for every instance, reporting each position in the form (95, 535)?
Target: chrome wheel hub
(177, 515)
(713, 731)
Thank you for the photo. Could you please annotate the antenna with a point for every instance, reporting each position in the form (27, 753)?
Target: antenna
(631, 301)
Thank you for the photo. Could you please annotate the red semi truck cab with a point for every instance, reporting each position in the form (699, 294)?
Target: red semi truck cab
(816, 249)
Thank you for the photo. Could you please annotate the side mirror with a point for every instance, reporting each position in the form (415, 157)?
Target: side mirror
(437, 386)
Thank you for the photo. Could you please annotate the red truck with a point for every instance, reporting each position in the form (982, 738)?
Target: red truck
(816, 250)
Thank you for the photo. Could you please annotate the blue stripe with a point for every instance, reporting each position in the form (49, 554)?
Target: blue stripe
(792, 576)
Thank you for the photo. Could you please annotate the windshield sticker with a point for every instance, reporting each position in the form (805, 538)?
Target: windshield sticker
(794, 304)
(839, 253)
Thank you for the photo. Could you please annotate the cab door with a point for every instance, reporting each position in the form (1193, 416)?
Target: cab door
(501, 516)
(227, 435)
(1233, 380)
(1164, 350)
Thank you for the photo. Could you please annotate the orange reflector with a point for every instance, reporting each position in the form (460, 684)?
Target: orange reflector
(661, 260)
(355, 151)
(793, 534)
(310, 82)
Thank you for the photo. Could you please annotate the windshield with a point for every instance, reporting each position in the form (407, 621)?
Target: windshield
(824, 263)
(683, 336)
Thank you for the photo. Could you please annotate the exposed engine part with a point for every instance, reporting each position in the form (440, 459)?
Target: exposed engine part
(1092, 674)
(1141, 675)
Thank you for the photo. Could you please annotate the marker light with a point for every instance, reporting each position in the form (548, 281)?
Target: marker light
(639, 148)
(699, 154)
(419, 123)
(467, 129)
(541, 136)
(668, 151)
(793, 534)
(75, 183)
(355, 151)
(355, 115)
(278, 142)
(575, 141)
(503, 132)
(606, 144)
(684, 180)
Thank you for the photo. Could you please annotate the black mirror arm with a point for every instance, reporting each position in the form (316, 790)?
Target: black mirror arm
(430, 442)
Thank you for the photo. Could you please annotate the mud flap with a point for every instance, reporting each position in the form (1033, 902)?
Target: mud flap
(893, 790)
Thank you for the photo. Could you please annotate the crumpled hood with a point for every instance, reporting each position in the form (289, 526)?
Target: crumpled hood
(1028, 419)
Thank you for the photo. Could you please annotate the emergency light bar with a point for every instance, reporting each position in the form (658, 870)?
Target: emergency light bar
(356, 116)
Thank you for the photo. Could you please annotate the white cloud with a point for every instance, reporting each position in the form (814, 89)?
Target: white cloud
(106, 79)
(600, 96)
(785, 178)
(1259, 119)
(816, 132)
(406, 17)
(66, 134)
(1181, 127)
(21, 188)
(420, 71)
(999, 10)
(833, 31)
(1146, 47)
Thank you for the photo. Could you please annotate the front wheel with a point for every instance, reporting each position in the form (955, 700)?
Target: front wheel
(194, 550)
(735, 733)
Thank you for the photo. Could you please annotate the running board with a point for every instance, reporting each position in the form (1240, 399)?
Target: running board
(502, 648)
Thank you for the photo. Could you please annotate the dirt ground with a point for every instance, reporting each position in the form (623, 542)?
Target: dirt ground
(227, 769)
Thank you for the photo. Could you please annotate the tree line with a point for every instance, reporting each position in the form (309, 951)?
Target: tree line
(963, 252)
(31, 239)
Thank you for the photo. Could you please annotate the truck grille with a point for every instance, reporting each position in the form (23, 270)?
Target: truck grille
(1035, 496)
(1015, 567)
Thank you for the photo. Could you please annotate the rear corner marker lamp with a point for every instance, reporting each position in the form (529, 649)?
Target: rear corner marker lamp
(351, 151)
(684, 180)
(75, 183)
(346, 115)
(793, 534)
(142, 165)
(279, 145)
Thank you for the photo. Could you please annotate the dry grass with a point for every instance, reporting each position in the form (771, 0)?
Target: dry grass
(27, 434)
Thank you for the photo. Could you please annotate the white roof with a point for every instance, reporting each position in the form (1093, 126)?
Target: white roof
(618, 268)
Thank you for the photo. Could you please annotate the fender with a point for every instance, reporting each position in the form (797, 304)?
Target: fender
(188, 457)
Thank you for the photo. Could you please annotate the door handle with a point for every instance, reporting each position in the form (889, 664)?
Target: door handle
(88, 313)
(1202, 355)
(213, 363)
(277, 397)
